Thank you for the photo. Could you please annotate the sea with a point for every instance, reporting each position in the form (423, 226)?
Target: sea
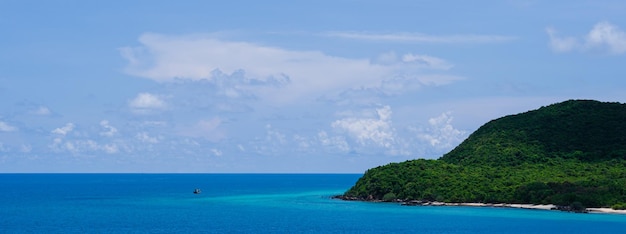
(249, 203)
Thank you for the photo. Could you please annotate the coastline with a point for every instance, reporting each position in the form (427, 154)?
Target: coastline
(496, 205)
(605, 211)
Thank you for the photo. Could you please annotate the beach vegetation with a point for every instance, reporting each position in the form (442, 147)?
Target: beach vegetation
(389, 197)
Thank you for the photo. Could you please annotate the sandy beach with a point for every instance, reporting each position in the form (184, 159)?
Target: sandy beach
(499, 205)
(605, 210)
(519, 206)
(503, 205)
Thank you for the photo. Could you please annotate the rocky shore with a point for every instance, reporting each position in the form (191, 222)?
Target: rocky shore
(499, 205)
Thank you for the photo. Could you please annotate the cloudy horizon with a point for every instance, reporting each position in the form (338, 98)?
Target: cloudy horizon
(285, 88)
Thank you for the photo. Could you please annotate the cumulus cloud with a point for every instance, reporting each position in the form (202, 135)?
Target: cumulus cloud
(26, 148)
(402, 84)
(196, 57)
(440, 133)
(146, 138)
(82, 146)
(334, 143)
(146, 103)
(366, 131)
(413, 72)
(302, 142)
(426, 61)
(42, 110)
(609, 36)
(273, 135)
(5, 127)
(604, 36)
(207, 128)
(388, 87)
(413, 61)
(217, 152)
(109, 130)
(421, 38)
(109, 148)
(64, 130)
(224, 93)
(561, 44)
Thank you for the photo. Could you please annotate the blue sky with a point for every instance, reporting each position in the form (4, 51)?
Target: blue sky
(278, 86)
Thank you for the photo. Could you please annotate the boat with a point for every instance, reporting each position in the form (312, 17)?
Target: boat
(197, 191)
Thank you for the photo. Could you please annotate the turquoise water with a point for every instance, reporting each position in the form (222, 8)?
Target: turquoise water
(248, 203)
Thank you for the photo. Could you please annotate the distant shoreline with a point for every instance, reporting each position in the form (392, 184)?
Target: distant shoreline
(496, 205)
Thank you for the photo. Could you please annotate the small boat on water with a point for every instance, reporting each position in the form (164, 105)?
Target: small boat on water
(197, 191)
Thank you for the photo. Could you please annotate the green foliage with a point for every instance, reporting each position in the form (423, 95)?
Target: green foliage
(389, 197)
(581, 129)
(570, 154)
(619, 206)
(577, 206)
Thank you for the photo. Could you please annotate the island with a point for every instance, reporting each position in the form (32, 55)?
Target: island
(567, 156)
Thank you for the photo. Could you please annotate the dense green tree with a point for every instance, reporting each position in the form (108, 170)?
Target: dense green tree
(571, 154)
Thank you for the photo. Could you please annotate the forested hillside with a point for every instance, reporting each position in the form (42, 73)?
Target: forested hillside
(577, 129)
(568, 153)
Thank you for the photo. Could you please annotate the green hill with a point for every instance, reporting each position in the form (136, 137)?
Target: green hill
(581, 129)
(569, 154)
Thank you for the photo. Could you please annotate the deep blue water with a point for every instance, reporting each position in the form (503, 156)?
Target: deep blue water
(248, 203)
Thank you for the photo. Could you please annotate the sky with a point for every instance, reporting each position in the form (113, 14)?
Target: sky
(285, 86)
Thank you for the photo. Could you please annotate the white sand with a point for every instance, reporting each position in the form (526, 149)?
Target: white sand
(527, 206)
(523, 206)
(605, 210)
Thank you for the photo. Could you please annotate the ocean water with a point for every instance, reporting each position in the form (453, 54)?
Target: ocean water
(248, 203)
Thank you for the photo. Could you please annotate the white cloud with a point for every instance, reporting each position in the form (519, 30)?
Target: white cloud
(82, 146)
(401, 84)
(5, 127)
(412, 61)
(441, 134)
(146, 103)
(366, 131)
(109, 130)
(561, 44)
(146, 138)
(603, 36)
(25, 148)
(274, 136)
(42, 110)
(426, 61)
(153, 124)
(217, 152)
(410, 75)
(334, 143)
(58, 145)
(207, 129)
(609, 36)
(69, 146)
(64, 130)
(421, 38)
(196, 57)
(388, 87)
(303, 144)
(110, 148)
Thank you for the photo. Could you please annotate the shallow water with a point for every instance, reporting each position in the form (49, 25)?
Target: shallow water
(248, 203)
